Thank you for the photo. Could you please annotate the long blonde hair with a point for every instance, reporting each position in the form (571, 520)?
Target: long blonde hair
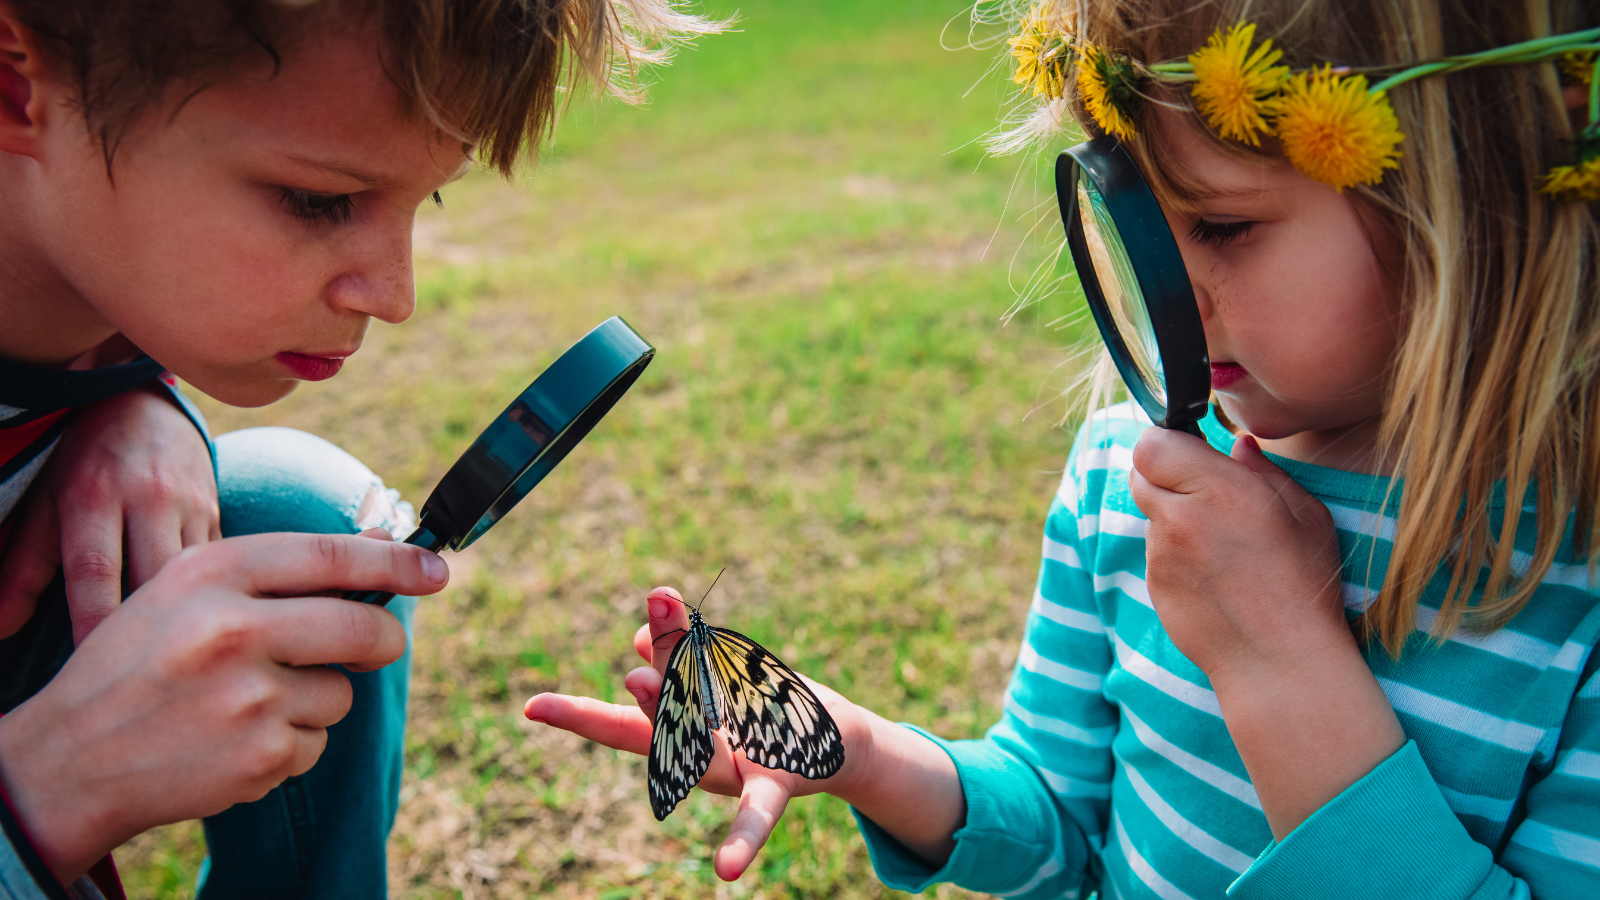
(1496, 386)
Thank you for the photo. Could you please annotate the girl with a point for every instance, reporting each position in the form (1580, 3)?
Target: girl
(1326, 657)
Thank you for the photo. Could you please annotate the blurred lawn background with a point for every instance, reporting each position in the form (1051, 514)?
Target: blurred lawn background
(801, 220)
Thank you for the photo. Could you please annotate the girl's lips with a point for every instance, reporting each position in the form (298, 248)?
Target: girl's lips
(318, 368)
(1224, 374)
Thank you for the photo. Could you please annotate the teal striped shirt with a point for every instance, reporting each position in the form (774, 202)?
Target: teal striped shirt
(1111, 767)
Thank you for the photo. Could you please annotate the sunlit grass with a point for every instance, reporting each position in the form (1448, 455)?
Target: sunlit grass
(800, 222)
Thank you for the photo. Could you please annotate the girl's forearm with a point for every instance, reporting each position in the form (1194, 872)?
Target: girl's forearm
(909, 787)
(1308, 733)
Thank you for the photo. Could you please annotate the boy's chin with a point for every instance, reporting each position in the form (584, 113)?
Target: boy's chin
(245, 392)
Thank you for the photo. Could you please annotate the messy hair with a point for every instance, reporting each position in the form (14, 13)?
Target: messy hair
(1494, 395)
(493, 73)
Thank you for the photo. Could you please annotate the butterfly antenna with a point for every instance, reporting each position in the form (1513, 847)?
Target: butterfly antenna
(708, 590)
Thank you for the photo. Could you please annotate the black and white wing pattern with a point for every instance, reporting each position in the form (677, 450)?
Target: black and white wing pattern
(768, 710)
(718, 678)
(680, 747)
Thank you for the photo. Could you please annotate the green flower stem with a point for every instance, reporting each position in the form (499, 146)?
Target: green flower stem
(1533, 51)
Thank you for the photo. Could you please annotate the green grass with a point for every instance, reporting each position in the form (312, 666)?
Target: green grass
(801, 221)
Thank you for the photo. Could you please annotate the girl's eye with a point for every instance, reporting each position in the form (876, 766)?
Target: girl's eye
(334, 208)
(1219, 233)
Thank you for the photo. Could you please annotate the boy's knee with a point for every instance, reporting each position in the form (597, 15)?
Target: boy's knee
(280, 479)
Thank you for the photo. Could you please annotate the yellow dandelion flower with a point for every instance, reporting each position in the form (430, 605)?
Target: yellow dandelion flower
(1337, 132)
(1236, 89)
(1580, 182)
(1107, 84)
(1041, 54)
(1577, 67)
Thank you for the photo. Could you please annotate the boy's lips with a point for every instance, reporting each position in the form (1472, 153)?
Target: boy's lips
(313, 368)
(1224, 374)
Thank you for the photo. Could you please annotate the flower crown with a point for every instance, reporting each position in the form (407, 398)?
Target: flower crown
(1331, 125)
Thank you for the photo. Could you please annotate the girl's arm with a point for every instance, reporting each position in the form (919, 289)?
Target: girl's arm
(1243, 569)
(1017, 813)
(896, 777)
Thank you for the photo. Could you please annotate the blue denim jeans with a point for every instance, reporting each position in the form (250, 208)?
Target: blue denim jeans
(324, 833)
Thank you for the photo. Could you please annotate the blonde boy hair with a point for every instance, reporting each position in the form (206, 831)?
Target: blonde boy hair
(1495, 392)
(493, 73)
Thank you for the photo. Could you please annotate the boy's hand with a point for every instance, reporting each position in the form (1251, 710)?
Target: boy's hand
(207, 688)
(763, 793)
(130, 471)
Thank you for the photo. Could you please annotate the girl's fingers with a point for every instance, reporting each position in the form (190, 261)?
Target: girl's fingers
(761, 804)
(641, 642)
(644, 683)
(618, 727)
(669, 622)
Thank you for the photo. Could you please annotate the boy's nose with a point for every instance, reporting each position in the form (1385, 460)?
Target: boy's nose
(382, 285)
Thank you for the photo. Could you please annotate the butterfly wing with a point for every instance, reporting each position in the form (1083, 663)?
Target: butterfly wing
(680, 747)
(768, 710)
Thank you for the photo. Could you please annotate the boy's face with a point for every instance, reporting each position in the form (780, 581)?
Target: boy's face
(246, 235)
(1301, 317)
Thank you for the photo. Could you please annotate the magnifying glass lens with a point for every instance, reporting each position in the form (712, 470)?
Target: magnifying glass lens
(1124, 299)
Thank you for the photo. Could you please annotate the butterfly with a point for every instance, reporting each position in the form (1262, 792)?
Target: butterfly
(718, 678)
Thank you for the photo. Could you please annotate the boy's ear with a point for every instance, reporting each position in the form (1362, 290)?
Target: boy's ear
(23, 86)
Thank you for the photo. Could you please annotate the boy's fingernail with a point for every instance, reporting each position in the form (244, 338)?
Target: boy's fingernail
(434, 568)
(658, 608)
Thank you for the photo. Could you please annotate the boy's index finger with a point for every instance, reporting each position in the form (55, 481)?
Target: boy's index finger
(669, 622)
(288, 564)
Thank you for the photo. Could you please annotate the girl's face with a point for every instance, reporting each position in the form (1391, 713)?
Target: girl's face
(1297, 294)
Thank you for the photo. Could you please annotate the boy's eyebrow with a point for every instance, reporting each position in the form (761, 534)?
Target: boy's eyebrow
(370, 179)
(367, 178)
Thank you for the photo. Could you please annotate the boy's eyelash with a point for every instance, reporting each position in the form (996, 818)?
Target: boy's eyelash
(335, 208)
(1219, 233)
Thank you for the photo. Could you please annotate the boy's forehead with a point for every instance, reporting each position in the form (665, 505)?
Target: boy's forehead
(329, 106)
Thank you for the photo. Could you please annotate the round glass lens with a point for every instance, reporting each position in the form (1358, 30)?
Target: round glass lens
(1114, 271)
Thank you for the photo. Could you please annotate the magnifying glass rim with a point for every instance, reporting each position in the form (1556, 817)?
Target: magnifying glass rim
(1163, 280)
(456, 527)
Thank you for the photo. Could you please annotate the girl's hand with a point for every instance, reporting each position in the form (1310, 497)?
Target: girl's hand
(1242, 564)
(130, 472)
(207, 688)
(1243, 570)
(893, 775)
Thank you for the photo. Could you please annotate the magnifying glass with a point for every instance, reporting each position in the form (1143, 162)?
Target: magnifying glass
(528, 439)
(1135, 282)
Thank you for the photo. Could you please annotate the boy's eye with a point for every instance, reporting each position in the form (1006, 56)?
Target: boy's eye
(318, 207)
(1219, 233)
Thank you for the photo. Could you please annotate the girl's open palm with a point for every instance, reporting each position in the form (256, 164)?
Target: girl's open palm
(763, 793)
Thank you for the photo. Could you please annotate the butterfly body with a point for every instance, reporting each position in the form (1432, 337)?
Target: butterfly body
(718, 678)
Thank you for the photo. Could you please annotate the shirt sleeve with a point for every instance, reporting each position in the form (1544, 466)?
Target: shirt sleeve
(1410, 844)
(1038, 785)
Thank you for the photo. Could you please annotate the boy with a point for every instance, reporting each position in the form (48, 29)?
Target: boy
(227, 188)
